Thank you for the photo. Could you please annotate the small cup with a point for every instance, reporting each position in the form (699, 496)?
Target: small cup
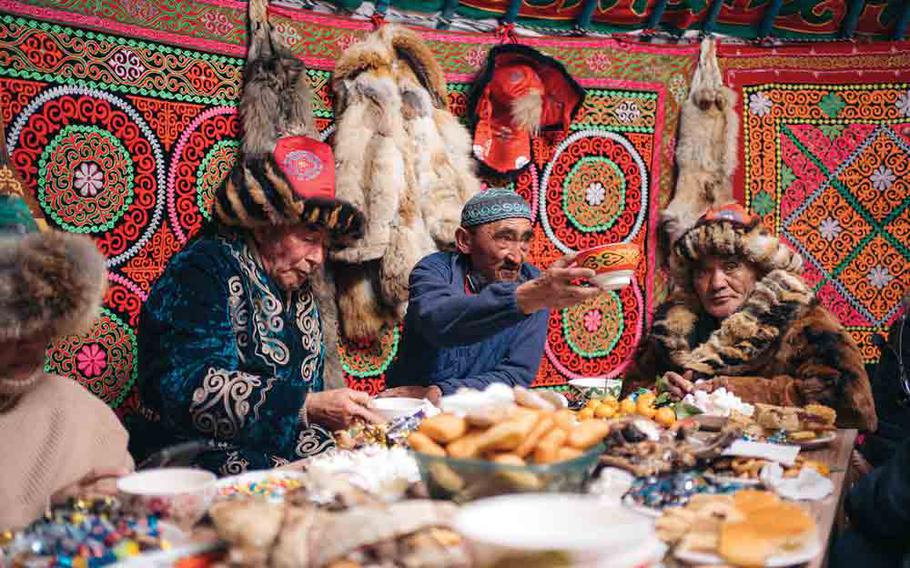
(614, 264)
(180, 495)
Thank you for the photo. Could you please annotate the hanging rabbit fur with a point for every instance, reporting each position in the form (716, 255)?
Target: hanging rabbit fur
(404, 160)
(706, 150)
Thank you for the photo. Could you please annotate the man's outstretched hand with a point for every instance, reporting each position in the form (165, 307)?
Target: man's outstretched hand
(554, 288)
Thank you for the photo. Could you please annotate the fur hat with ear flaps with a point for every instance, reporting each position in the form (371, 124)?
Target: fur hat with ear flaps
(779, 296)
(51, 282)
(404, 160)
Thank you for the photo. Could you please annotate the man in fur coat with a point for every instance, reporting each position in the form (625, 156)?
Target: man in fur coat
(479, 316)
(231, 338)
(740, 316)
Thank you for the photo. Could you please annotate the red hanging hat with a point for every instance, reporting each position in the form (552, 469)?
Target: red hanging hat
(520, 92)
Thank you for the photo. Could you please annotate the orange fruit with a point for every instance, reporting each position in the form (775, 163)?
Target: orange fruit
(665, 416)
(627, 406)
(592, 403)
(605, 411)
(586, 413)
(644, 408)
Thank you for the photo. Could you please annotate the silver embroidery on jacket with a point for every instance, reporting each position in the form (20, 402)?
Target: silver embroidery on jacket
(310, 326)
(221, 404)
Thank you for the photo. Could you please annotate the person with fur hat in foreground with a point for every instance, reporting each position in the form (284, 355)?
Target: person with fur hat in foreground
(59, 440)
(479, 316)
(232, 339)
(740, 316)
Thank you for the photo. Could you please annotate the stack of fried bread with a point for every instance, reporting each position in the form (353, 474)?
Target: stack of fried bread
(531, 431)
(744, 529)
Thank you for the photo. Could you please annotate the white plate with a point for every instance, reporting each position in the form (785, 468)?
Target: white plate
(819, 442)
(729, 479)
(251, 477)
(571, 523)
(805, 554)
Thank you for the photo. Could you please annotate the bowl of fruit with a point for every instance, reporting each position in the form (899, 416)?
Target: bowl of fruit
(645, 404)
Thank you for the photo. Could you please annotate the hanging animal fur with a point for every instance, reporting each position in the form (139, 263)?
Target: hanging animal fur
(404, 160)
(706, 149)
(277, 102)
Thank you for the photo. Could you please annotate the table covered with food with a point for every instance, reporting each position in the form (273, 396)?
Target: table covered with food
(501, 477)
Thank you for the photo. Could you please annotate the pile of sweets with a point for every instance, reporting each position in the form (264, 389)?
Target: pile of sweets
(83, 534)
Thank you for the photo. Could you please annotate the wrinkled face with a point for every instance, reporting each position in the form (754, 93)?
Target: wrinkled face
(20, 357)
(291, 254)
(496, 249)
(722, 284)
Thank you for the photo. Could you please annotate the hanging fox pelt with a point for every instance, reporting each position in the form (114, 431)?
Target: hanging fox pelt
(404, 160)
(706, 150)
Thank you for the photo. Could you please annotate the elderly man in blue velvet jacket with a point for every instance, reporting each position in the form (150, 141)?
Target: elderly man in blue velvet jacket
(232, 338)
(479, 315)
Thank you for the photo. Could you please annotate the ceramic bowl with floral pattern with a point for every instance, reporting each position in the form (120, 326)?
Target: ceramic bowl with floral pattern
(180, 495)
(614, 264)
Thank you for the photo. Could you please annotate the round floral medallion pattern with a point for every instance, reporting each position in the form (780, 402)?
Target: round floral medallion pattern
(105, 360)
(593, 328)
(595, 194)
(87, 181)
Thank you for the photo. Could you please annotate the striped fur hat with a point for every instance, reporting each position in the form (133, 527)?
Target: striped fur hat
(294, 184)
(730, 231)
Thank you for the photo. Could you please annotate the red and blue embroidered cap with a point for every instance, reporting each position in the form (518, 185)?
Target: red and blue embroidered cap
(294, 184)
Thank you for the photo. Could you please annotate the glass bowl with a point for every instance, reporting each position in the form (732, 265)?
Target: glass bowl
(463, 480)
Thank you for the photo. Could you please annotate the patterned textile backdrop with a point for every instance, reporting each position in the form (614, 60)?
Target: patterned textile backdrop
(826, 148)
(125, 139)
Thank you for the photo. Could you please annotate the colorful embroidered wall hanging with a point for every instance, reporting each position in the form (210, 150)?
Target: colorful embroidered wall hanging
(125, 139)
(826, 162)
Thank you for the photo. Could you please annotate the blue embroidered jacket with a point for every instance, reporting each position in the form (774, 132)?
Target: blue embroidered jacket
(453, 338)
(225, 354)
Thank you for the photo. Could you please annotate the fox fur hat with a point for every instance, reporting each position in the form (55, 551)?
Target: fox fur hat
(51, 283)
(730, 231)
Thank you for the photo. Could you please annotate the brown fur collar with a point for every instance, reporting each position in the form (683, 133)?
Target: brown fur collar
(743, 340)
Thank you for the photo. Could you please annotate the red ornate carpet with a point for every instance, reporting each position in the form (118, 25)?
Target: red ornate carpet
(125, 137)
(826, 148)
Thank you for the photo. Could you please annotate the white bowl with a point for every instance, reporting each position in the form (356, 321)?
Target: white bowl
(182, 495)
(613, 280)
(394, 406)
(585, 529)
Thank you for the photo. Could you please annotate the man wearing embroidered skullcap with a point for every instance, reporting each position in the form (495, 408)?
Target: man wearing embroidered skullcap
(479, 315)
(740, 316)
(235, 336)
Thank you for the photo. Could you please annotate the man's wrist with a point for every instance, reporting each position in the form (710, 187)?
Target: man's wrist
(524, 298)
